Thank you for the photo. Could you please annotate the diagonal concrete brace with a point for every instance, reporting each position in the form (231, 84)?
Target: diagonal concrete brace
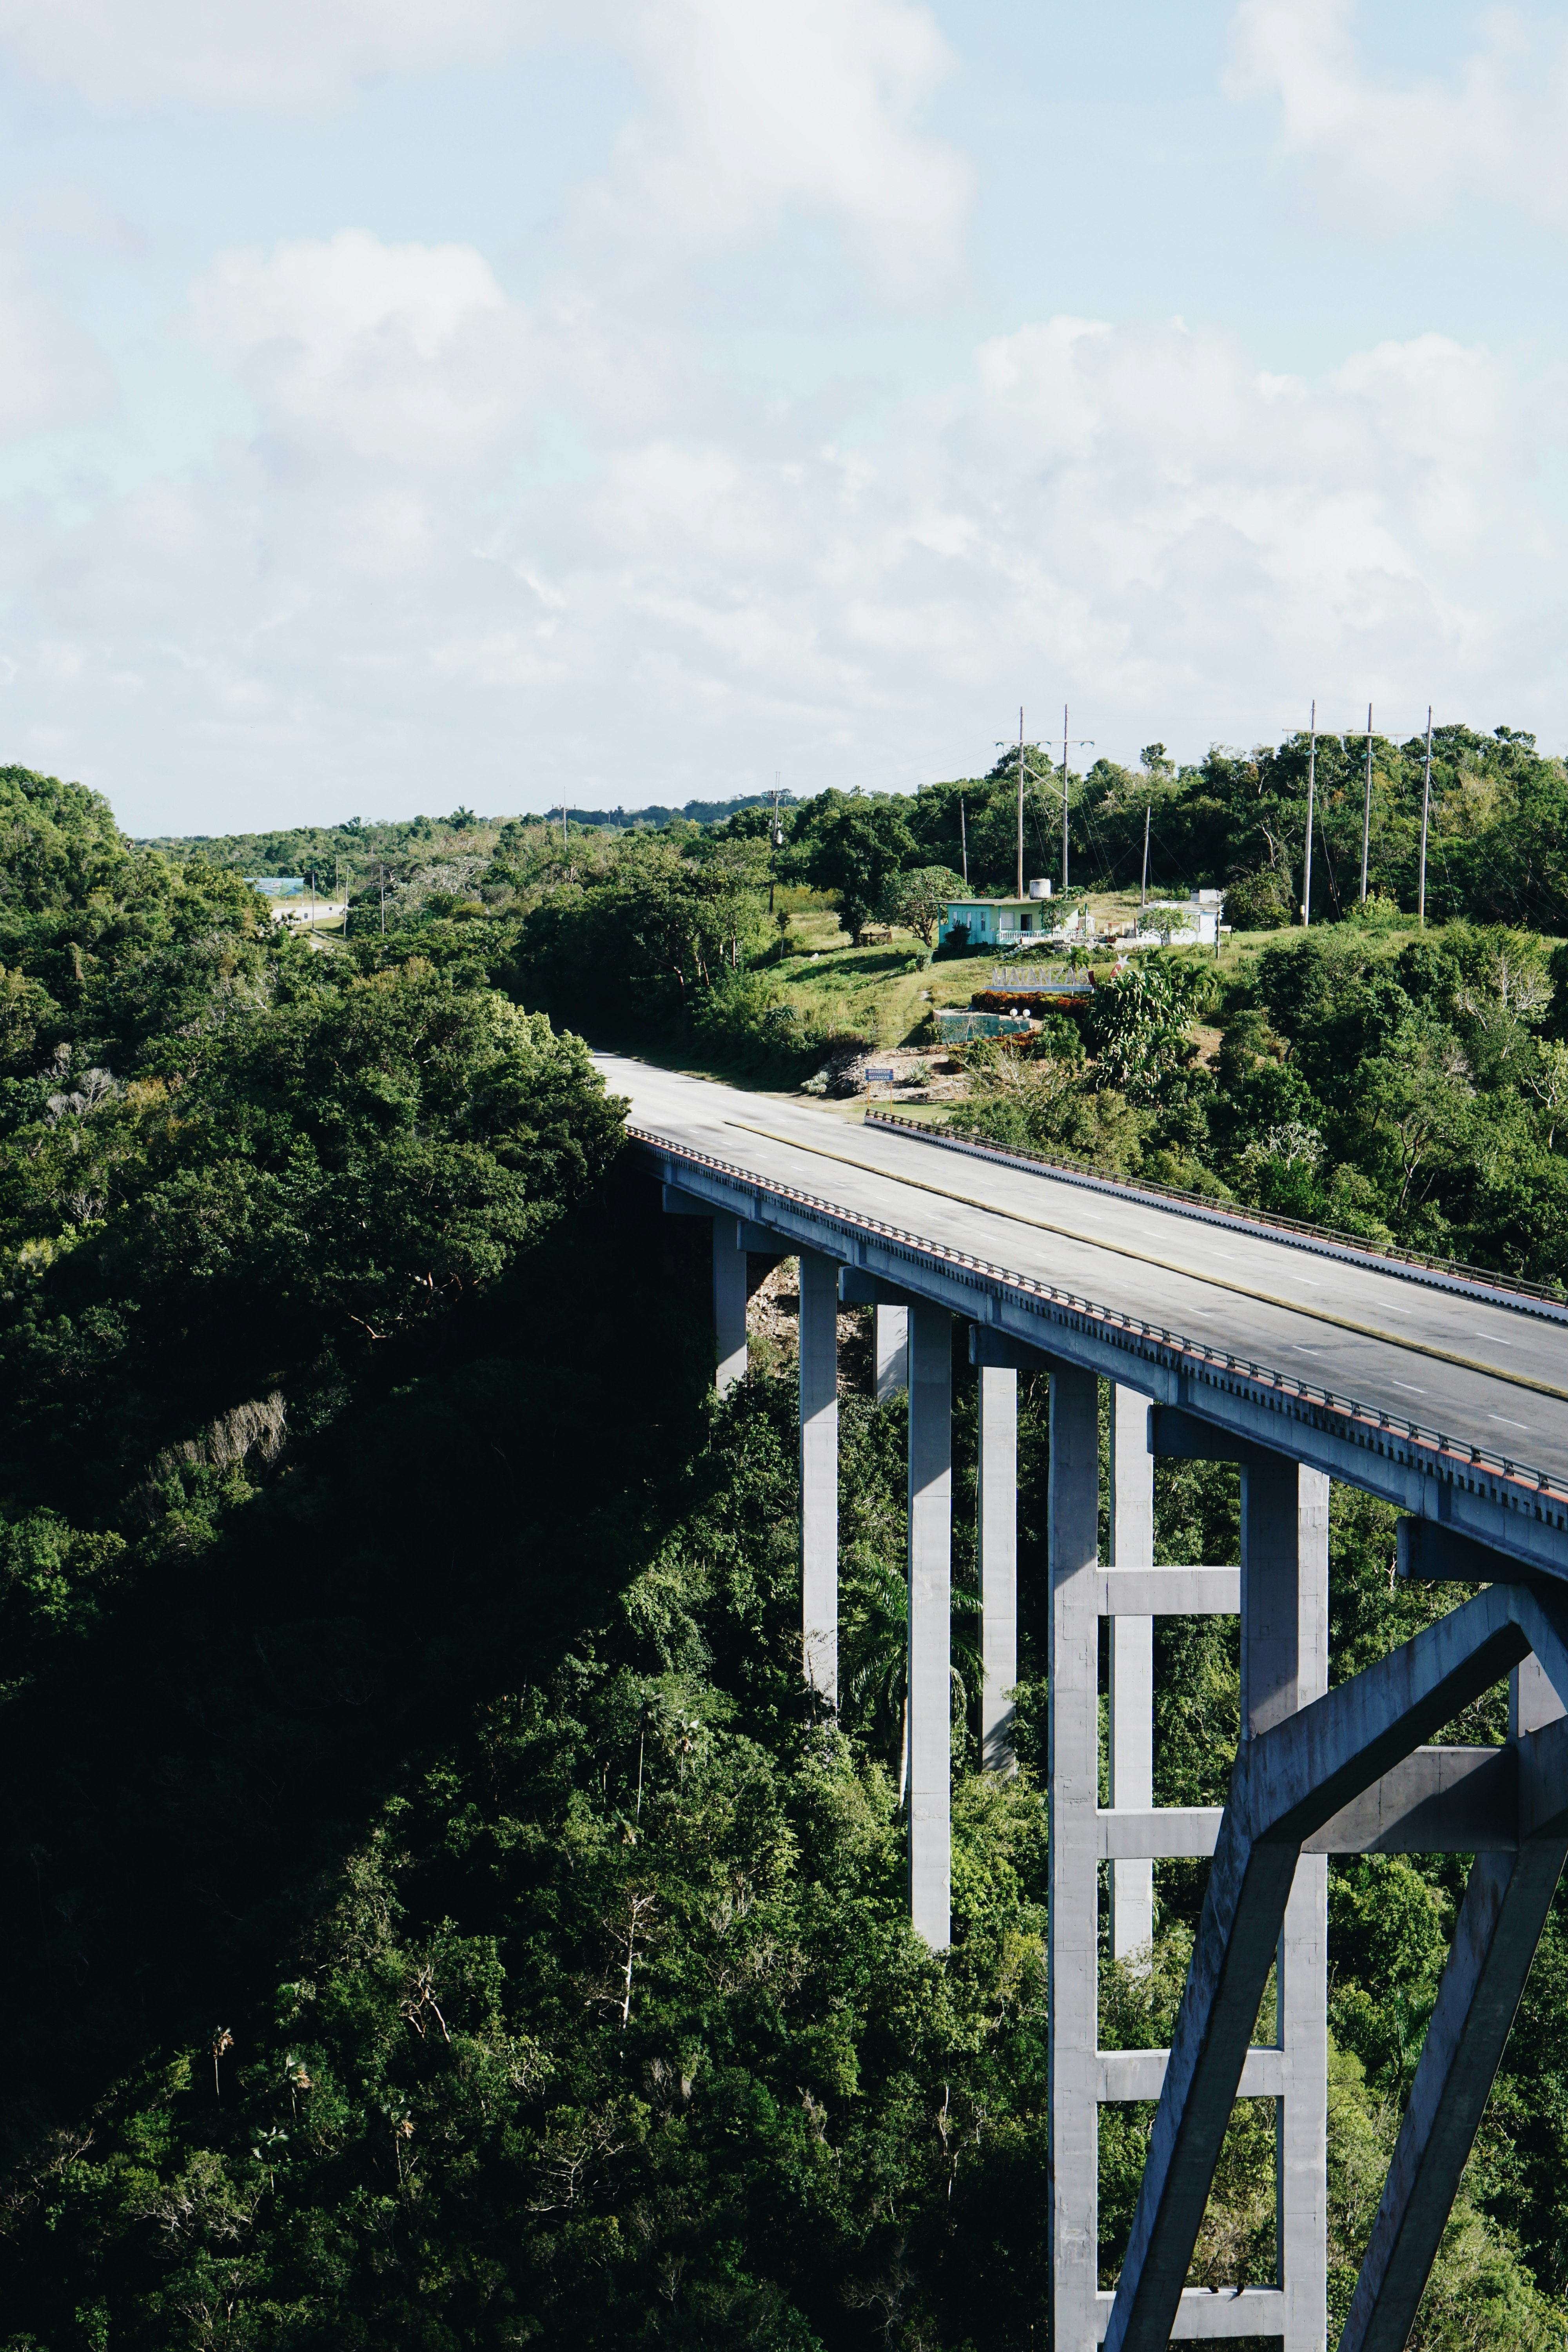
(1285, 1784)
(1499, 1924)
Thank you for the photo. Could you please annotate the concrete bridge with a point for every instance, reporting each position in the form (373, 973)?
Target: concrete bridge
(1302, 1360)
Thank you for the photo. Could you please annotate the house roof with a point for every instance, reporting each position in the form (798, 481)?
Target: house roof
(1025, 901)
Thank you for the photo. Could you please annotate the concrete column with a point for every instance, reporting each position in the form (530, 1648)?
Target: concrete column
(1284, 1666)
(998, 1565)
(1531, 1701)
(1132, 1666)
(819, 1472)
(1072, 1799)
(892, 1341)
(930, 1621)
(728, 1303)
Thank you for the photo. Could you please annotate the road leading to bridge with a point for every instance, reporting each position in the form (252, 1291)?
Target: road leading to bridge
(1488, 1370)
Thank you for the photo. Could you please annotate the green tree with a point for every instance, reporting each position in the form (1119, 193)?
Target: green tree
(1414, 1100)
(917, 899)
(1140, 1025)
(857, 851)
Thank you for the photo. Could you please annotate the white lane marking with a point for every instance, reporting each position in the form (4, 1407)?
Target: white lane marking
(1509, 1424)
(1411, 1386)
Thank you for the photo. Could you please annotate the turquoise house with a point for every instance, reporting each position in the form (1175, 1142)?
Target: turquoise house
(998, 922)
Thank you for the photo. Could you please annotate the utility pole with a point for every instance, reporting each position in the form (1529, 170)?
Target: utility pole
(1366, 807)
(1426, 812)
(1312, 796)
(1143, 885)
(1064, 802)
(1020, 800)
(776, 842)
(963, 840)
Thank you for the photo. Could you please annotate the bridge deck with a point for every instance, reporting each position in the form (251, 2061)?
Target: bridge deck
(1492, 1371)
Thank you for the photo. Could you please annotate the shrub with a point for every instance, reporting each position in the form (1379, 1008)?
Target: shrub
(1260, 901)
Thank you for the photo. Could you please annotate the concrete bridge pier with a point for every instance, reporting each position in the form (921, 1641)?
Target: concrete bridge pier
(731, 1238)
(1073, 1801)
(930, 1621)
(819, 1472)
(998, 1532)
(1131, 1648)
(1285, 1667)
(890, 1341)
(730, 1301)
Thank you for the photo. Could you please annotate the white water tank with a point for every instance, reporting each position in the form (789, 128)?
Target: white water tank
(1041, 888)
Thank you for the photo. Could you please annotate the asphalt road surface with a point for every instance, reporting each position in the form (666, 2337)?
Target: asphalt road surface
(1484, 1369)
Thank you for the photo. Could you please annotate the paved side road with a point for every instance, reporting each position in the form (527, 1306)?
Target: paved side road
(1487, 1371)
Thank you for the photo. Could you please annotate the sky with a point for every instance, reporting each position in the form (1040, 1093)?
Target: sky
(408, 402)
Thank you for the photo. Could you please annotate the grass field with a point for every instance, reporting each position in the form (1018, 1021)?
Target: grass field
(885, 993)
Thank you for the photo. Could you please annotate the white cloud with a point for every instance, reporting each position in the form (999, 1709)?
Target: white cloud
(1139, 520)
(745, 111)
(1381, 153)
(251, 55)
(54, 374)
(816, 104)
(406, 352)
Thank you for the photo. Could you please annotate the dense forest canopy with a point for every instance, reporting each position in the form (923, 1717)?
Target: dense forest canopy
(440, 1915)
(1234, 820)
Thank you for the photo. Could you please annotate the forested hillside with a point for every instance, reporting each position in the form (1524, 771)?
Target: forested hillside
(1236, 820)
(437, 1918)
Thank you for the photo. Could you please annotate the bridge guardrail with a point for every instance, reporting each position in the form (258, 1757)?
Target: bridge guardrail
(1329, 1241)
(1536, 1483)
